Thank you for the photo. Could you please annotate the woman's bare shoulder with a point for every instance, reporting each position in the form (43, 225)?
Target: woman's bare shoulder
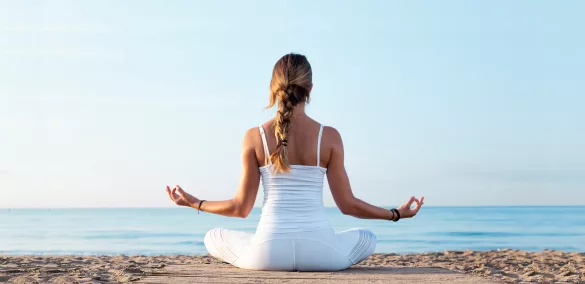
(252, 138)
(254, 132)
(331, 134)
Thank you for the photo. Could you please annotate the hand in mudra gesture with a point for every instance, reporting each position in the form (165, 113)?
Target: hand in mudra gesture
(181, 197)
(405, 209)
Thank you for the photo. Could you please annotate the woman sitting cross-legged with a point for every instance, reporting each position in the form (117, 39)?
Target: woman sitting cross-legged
(291, 154)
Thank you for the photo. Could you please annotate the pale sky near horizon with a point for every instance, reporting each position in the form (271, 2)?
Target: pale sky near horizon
(103, 103)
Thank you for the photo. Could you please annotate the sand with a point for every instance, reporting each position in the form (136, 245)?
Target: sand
(511, 266)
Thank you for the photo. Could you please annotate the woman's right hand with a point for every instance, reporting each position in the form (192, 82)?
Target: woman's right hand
(405, 209)
(183, 198)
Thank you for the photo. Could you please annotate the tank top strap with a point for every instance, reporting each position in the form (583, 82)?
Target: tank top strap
(264, 145)
(319, 145)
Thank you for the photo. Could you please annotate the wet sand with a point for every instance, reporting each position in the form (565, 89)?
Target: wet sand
(511, 266)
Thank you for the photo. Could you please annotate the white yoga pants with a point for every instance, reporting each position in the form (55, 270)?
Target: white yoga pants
(320, 250)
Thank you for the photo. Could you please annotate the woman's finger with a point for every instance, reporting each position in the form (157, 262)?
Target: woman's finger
(180, 190)
(417, 206)
(176, 197)
(410, 201)
(169, 192)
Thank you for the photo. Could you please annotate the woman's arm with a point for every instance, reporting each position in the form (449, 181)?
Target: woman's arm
(343, 195)
(242, 203)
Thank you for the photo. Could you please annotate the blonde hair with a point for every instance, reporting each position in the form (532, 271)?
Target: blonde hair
(292, 80)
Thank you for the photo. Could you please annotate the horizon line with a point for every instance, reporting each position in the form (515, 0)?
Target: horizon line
(327, 207)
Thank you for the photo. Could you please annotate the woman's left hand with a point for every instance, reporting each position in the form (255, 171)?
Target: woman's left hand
(182, 198)
(405, 209)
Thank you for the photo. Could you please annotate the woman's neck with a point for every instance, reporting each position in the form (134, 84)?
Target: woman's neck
(299, 111)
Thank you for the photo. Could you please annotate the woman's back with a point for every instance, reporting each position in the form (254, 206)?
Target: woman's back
(293, 201)
(302, 145)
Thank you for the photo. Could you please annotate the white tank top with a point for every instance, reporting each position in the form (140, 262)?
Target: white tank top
(293, 201)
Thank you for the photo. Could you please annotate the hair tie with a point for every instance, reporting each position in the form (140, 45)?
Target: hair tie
(284, 142)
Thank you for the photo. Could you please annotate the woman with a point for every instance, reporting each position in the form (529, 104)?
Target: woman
(293, 233)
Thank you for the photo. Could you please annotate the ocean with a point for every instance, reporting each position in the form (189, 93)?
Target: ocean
(167, 231)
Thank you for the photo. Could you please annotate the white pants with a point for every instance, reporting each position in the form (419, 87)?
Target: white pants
(320, 250)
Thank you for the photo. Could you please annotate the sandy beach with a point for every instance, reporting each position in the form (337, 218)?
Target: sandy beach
(510, 266)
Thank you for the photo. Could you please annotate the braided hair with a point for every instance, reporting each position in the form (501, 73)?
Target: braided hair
(291, 84)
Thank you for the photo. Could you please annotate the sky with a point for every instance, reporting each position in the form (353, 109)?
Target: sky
(469, 103)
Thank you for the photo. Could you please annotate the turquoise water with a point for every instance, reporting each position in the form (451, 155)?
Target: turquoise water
(181, 230)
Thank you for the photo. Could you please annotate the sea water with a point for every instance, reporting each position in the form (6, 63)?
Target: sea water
(163, 231)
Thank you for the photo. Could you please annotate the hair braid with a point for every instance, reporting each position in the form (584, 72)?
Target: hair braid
(281, 127)
(290, 85)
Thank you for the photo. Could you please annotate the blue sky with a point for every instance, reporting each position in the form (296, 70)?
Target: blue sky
(103, 103)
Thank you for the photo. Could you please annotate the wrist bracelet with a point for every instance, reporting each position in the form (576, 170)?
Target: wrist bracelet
(394, 210)
(199, 208)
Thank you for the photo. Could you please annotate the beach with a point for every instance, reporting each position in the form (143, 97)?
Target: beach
(496, 266)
